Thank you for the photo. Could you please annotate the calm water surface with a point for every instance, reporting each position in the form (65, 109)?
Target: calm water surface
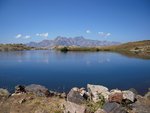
(62, 71)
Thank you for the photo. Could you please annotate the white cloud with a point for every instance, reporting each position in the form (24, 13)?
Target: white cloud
(88, 31)
(45, 35)
(18, 36)
(102, 34)
(27, 37)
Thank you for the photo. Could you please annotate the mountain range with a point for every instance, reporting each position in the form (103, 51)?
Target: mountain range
(76, 41)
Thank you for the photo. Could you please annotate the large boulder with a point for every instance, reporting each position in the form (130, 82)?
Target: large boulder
(115, 96)
(38, 90)
(112, 107)
(74, 108)
(129, 95)
(95, 90)
(76, 96)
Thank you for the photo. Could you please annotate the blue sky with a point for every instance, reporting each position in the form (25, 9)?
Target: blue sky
(22, 21)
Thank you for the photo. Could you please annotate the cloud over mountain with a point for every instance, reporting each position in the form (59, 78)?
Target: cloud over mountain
(102, 34)
(44, 35)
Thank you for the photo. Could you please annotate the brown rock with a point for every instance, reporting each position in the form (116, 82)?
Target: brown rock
(115, 97)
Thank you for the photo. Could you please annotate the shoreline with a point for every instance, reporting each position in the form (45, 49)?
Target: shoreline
(93, 99)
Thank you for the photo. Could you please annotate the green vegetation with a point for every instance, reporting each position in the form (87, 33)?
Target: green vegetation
(64, 49)
(14, 47)
(92, 106)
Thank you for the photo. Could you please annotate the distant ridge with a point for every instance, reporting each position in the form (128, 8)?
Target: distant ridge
(76, 41)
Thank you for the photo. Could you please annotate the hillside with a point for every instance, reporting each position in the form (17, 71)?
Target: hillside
(139, 46)
(14, 47)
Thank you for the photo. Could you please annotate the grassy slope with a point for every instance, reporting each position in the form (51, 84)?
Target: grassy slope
(14, 47)
(139, 45)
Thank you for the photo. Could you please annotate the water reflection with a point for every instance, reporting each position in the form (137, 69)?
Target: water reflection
(61, 71)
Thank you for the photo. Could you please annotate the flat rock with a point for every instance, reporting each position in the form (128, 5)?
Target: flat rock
(37, 89)
(74, 108)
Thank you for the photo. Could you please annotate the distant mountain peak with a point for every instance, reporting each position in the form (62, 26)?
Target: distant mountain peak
(76, 41)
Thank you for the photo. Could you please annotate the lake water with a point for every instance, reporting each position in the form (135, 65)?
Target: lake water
(62, 71)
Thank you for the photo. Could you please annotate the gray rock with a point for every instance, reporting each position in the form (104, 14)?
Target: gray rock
(128, 95)
(95, 90)
(147, 95)
(113, 108)
(75, 96)
(134, 91)
(38, 90)
(4, 92)
(63, 95)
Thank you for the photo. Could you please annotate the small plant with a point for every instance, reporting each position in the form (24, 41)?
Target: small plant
(92, 106)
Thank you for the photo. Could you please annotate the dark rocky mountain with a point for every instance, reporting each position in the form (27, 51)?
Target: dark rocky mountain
(76, 41)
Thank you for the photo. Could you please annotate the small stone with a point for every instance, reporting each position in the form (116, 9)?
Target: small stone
(147, 95)
(4, 93)
(63, 95)
(52, 93)
(128, 95)
(22, 101)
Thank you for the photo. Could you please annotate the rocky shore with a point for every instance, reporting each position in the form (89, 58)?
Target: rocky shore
(94, 99)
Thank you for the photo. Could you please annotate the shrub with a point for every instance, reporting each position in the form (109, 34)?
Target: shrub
(64, 49)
